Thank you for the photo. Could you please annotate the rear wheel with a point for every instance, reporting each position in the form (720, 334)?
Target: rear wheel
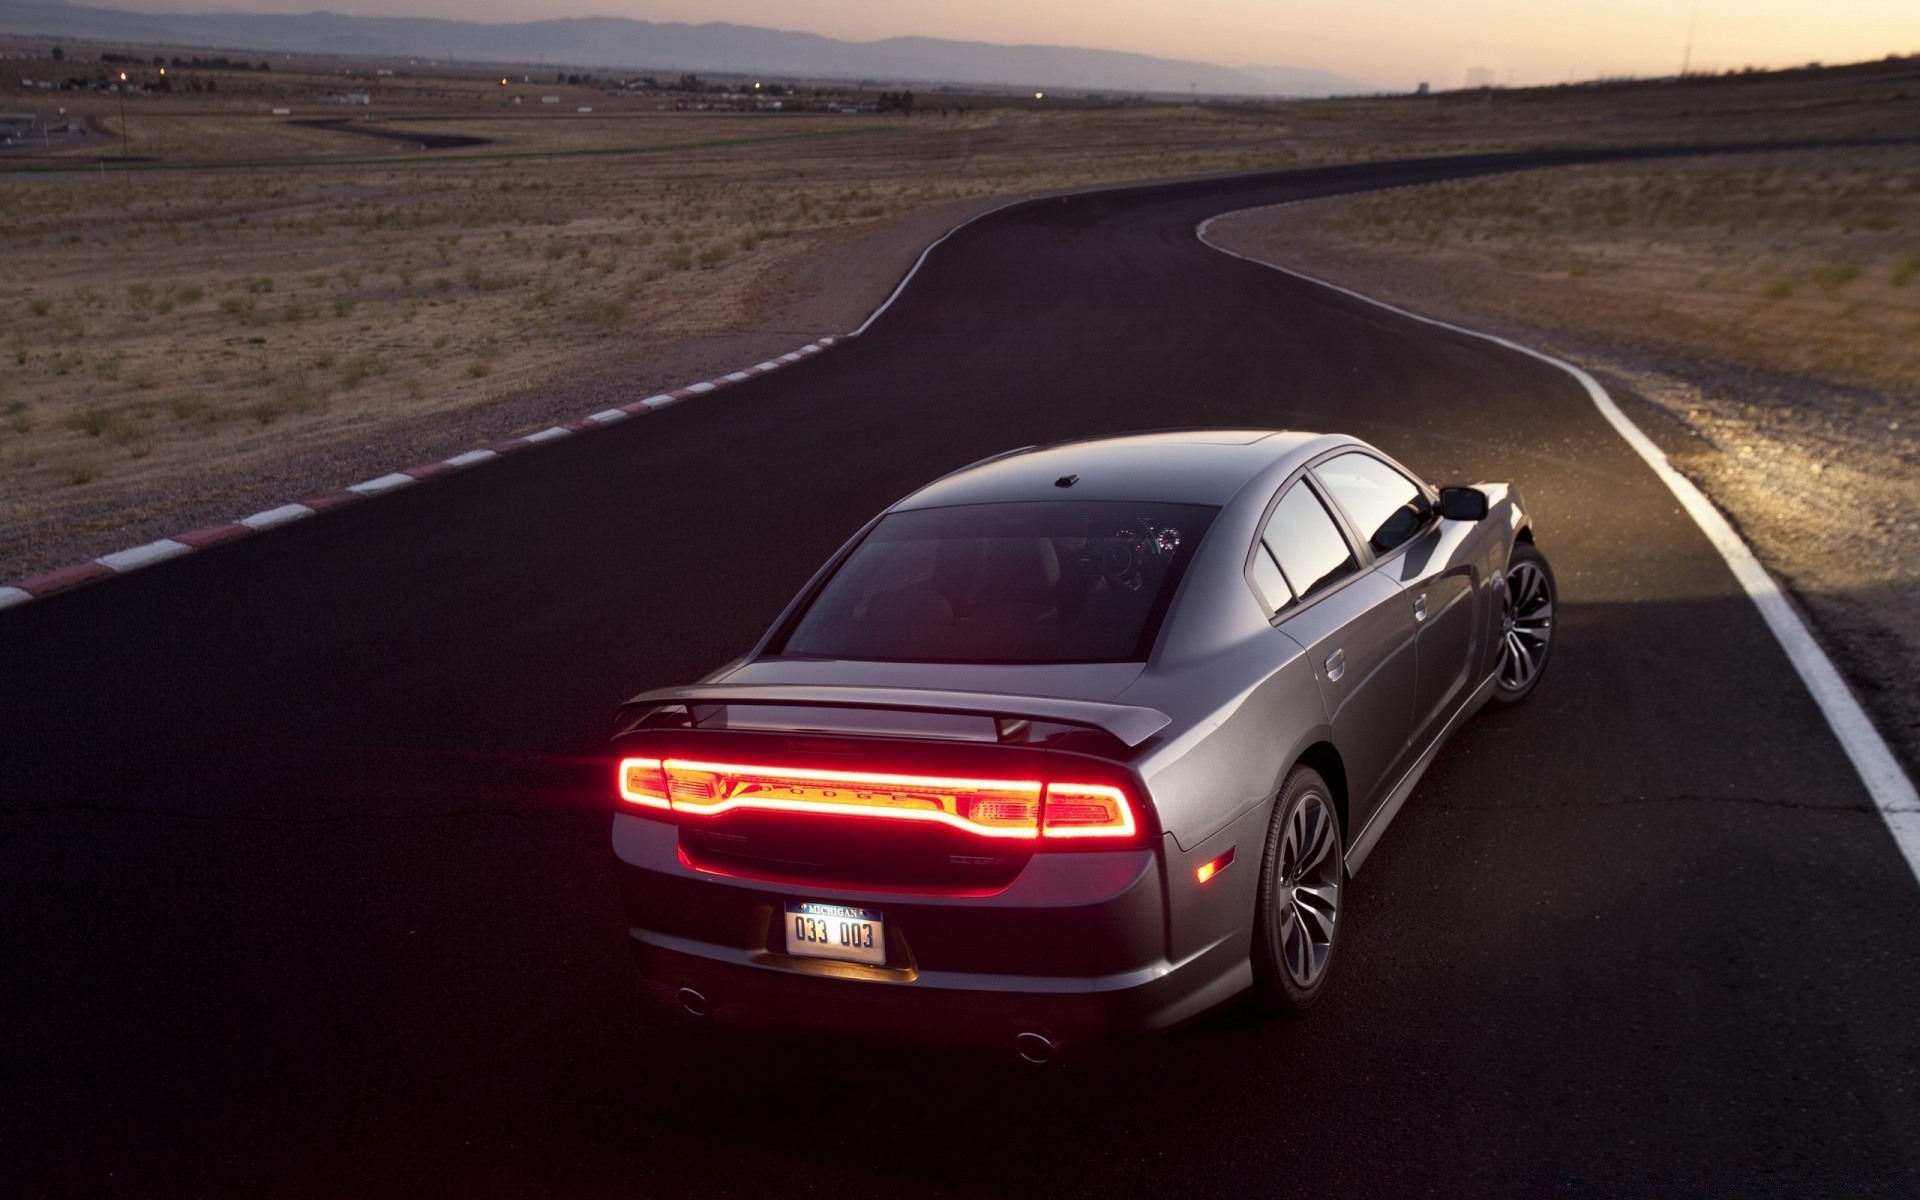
(1526, 624)
(1302, 875)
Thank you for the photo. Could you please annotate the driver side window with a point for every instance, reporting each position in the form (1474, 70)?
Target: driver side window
(1386, 507)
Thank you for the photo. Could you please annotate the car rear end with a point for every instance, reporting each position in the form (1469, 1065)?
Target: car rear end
(976, 877)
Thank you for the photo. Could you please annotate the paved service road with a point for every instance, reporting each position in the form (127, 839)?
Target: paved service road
(307, 882)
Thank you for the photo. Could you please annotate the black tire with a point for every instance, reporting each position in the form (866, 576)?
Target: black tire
(1528, 599)
(1302, 875)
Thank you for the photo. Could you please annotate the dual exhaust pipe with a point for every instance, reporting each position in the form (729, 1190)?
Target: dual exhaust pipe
(1032, 1047)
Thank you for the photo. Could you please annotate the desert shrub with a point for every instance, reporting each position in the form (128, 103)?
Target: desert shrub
(602, 311)
(1836, 275)
(188, 406)
(361, 367)
(78, 471)
(91, 421)
(39, 306)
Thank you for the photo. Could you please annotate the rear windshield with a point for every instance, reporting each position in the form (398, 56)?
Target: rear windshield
(1045, 582)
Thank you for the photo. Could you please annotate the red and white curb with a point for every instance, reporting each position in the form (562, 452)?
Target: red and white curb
(121, 561)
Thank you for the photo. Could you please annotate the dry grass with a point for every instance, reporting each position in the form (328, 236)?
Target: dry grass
(173, 336)
(1802, 262)
(169, 332)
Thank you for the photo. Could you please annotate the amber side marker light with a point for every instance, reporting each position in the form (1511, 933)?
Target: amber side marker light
(1209, 869)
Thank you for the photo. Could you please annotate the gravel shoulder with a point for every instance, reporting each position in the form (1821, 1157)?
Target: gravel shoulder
(1821, 477)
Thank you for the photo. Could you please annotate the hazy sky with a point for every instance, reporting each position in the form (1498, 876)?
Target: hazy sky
(1388, 42)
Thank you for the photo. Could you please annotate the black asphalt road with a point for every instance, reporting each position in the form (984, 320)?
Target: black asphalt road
(307, 885)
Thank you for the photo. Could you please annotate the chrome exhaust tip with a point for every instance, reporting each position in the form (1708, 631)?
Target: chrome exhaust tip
(693, 1002)
(1035, 1047)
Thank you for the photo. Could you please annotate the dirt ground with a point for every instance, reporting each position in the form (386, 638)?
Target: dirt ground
(181, 345)
(1758, 316)
(247, 309)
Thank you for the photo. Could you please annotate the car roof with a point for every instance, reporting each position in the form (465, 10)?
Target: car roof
(1176, 466)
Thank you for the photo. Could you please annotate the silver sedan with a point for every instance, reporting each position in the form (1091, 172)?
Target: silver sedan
(1080, 740)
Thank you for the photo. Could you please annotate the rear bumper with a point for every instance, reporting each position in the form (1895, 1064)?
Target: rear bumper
(1075, 947)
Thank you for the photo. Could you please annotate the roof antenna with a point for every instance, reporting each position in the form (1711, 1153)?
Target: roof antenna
(1066, 481)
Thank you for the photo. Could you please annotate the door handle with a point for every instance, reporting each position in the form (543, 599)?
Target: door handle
(1420, 607)
(1336, 665)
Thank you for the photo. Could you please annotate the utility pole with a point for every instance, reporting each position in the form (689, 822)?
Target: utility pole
(123, 116)
(1686, 55)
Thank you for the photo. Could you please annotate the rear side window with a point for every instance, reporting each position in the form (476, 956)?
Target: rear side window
(1309, 548)
(1040, 582)
(1387, 508)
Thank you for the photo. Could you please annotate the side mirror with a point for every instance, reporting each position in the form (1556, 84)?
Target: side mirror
(1463, 503)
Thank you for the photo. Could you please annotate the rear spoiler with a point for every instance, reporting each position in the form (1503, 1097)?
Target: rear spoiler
(1129, 724)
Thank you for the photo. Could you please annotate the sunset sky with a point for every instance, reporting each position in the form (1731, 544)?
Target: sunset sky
(1391, 43)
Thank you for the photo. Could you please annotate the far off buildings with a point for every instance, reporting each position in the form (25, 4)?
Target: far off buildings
(15, 126)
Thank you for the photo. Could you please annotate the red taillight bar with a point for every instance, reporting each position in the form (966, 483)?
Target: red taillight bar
(1026, 809)
(1087, 810)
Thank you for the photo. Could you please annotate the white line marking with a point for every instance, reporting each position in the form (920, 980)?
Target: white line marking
(610, 416)
(769, 365)
(660, 401)
(1892, 792)
(915, 268)
(10, 596)
(470, 458)
(547, 435)
(276, 516)
(790, 358)
(737, 377)
(385, 483)
(141, 556)
(700, 388)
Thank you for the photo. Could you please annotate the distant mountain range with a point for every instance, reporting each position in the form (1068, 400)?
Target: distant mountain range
(617, 43)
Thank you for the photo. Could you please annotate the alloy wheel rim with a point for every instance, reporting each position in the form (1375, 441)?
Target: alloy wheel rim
(1526, 625)
(1308, 901)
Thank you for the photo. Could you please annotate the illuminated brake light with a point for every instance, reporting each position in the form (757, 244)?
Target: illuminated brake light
(1000, 808)
(1087, 810)
(643, 781)
(1025, 809)
(1209, 869)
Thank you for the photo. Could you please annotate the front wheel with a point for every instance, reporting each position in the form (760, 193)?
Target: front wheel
(1302, 875)
(1526, 624)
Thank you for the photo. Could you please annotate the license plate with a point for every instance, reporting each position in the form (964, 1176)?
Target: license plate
(832, 931)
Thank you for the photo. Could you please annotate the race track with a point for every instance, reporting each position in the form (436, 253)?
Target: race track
(307, 883)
